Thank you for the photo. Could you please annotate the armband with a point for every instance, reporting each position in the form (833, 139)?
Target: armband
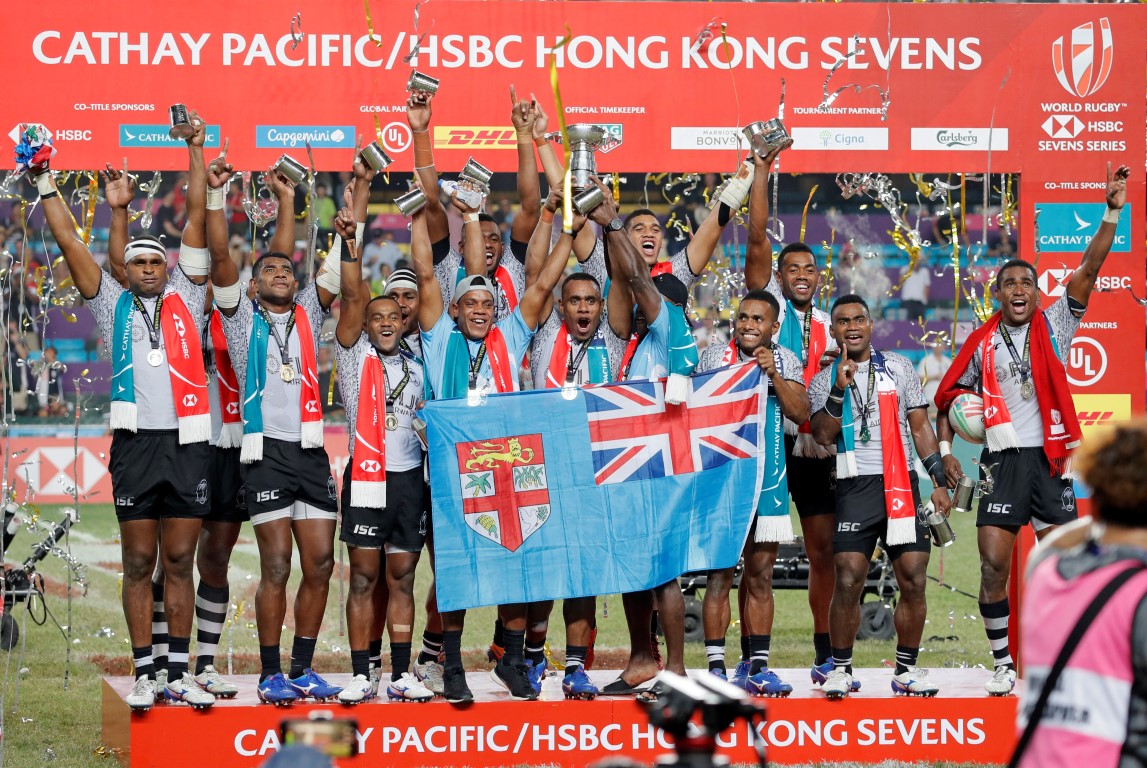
(195, 262)
(215, 199)
(1077, 307)
(330, 273)
(834, 409)
(945, 449)
(227, 296)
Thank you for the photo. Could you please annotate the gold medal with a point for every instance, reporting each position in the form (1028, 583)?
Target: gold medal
(1027, 390)
(391, 422)
(287, 373)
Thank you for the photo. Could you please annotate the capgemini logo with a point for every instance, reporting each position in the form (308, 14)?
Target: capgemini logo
(1083, 64)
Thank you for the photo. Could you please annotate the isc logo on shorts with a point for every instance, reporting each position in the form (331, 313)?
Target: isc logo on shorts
(261, 496)
(125, 501)
(999, 509)
(366, 530)
(846, 527)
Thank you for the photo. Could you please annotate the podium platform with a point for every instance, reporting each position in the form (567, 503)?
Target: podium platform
(962, 724)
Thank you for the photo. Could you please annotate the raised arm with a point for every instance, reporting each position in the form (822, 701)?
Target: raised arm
(473, 241)
(429, 293)
(195, 230)
(1083, 279)
(539, 296)
(628, 266)
(538, 248)
(418, 113)
(759, 251)
(119, 191)
(551, 166)
(355, 295)
(83, 268)
(224, 271)
(283, 241)
(529, 187)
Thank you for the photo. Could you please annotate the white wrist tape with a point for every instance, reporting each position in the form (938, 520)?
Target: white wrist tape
(359, 231)
(1111, 215)
(215, 199)
(227, 296)
(195, 262)
(945, 449)
(330, 273)
(736, 191)
(46, 182)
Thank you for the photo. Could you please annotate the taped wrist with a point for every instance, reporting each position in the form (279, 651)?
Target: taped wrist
(46, 184)
(195, 262)
(934, 466)
(330, 273)
(1111, 215)
(215, 199)
(227, 296)
(945, 449)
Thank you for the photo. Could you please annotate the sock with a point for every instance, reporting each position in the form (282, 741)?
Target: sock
(359, 663)
(374, 650)
(144, 662)
(536, 653)
(302, 654)
(210, 613)
(399, 659)
(905, 658)
(744, 647)
(822, 648)
(842, 659)
(178, 649)
(431, 647)
(158, 626)
(996, 625)
(759, 652)
(575, 657)
(515, 647)
(715, 652)
(499, 634)
(452, 644)
(269, 661)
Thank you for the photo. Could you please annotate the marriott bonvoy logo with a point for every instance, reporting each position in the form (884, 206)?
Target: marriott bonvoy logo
(1082, 60)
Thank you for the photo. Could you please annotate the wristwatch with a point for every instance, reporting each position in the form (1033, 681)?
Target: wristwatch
(614, 225)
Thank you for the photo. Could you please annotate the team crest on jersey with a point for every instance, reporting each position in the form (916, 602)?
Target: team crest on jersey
(505, 491)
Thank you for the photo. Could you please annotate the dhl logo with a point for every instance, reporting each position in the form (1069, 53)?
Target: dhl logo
(474, 137)
(1094, 418)
(1097, 410)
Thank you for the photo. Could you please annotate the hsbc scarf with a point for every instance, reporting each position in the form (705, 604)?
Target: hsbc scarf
(310, 414)
(773, 521)
(791, 337)
(597, 357)
(898, 502)
(184, 366)
(505, 284)
(1061, 432)
(231, 436)
(368, 469)
(456, 372)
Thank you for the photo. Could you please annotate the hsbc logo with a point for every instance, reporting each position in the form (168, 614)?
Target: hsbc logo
(370, 465)
(1053, 282)
(1087, 362)
(990, 412)
(1062, 126)
(180, 328)
(232, 408)
(190, 400)
(312, 406)
(1082, 60)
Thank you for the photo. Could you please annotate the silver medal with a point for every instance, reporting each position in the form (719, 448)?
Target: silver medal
(569, 392)
(286, 373)
(472, 397)
(1027, 390)
(391, 422)
(155, 358)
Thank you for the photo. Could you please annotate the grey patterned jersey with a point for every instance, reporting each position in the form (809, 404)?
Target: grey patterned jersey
(543, 345)
(787, 364)
(403, 450)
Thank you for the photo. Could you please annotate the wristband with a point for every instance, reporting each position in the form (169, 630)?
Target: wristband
(547, 216)
(346, 253)
(470, 218)
(49, 195)
(934, 466)
(945, 449)
(227, 296)
(1111, 215)
(836, 393)
(424, 167)
(45, 183)
(195, 262)
(424, 130)
(836, 399)
(834, 409)
(541, 141)
(215, 199)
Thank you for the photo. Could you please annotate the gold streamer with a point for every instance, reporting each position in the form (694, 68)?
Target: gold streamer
(913, 251)
(567, 183)
(617, 189)
(370, 30)
(827, 277)
(90, 208)
(804, 214)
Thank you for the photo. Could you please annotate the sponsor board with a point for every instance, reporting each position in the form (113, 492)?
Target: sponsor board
(684, 137)
(294, 136)
(475, 137)
(1094, 411)
(1087, 361)
(960, 139)
(156, 135)
(1069, 227)
(1053, 282)
(830, 138)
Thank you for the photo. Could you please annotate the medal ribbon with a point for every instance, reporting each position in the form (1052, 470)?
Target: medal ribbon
(866, 406)
(1023, 366)
(392, 395)
(475, 363)
(152, 327)
(281, 342)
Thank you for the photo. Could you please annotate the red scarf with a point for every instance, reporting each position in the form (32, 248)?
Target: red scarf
(231, 436)
(1061, 432)
(898, 502)
(185, 363)
(731, 354)
(501, 369)
(506, 285)
(627, 357)
(310, 404)
(368, 469)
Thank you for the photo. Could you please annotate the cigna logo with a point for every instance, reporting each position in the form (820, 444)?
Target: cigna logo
(1083, 62)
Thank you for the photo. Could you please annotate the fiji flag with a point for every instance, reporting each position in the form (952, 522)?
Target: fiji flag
(537, 497)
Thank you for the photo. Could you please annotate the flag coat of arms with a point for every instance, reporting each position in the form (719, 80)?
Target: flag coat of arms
(536, 497)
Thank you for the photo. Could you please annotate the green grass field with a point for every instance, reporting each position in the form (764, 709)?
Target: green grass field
(48, 718)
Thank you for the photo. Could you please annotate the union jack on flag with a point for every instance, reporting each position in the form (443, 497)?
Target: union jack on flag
(635, 435)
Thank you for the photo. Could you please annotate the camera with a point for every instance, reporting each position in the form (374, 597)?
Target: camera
(320, 731)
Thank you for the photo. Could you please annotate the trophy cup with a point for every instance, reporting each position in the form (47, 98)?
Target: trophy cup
(477, 173)
(941, 529)
(966, 490)
(585, 139)
(374, 158)
(181, 127)
(420, 83)
(588, 199)
(290, 168)
(764, 137)
(411, 203)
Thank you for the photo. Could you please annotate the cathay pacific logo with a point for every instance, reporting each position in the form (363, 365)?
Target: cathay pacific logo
(133, 135)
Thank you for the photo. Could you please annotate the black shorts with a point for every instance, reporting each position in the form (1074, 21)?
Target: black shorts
(861, 518)
(812, 482)
(228, 497)
(289, 473)
(153, 476)
(1024, 490)
(400, 527)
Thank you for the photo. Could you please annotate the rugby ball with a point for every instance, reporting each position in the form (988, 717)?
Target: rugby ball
(966, 415)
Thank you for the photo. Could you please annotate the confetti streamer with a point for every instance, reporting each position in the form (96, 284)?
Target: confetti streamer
(555, 88)
(417, 36)
(829, 98)
(370, 26)
(296, 30)
(804, 213)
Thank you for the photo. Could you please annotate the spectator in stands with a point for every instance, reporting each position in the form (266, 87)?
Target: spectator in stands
(49, 384)
(19, 377)
(165, 222)
(931, 369)
(914, 290)
(324, 211)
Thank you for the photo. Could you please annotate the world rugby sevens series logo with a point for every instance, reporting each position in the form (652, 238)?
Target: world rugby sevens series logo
(1083, 63)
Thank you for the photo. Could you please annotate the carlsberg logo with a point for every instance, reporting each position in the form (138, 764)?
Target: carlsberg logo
(957, 138)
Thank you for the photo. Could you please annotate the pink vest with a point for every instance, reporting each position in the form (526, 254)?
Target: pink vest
(1085, 721)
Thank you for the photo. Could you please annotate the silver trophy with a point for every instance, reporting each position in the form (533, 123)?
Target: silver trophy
(937, 522)
(181, 127)
(764, 137)
(420, 83)
(471, 197)
(477, 173)
(967, 489)
(374, 158)
(291, 169)
(411, 203)
(588, 199)
(585, 140)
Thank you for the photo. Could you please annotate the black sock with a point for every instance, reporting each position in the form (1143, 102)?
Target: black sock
(905, 658)
(515, 640)
(715, 653)
(575, 657)
(842, 658)
(536, 654)
(159, 640)
(210, 615)
(452, 644)
(996, 625)
(822, 648)
(499, 634)
(431, 647)
(269, 661)
(144, 662)
(178, 649)
(302, 654)
(374, 649)
(759, 652)
(359, 663)
(399, 659)
(744, 647)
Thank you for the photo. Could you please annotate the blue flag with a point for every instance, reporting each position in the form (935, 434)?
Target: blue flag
(537, 497)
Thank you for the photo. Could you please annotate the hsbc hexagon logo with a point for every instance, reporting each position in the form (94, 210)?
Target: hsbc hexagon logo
(1053, 282)
(312, 406)
(56, 470)
(370, 466)
(189, 401)
(232, 408)
(1082, 60)
(1062, 126)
